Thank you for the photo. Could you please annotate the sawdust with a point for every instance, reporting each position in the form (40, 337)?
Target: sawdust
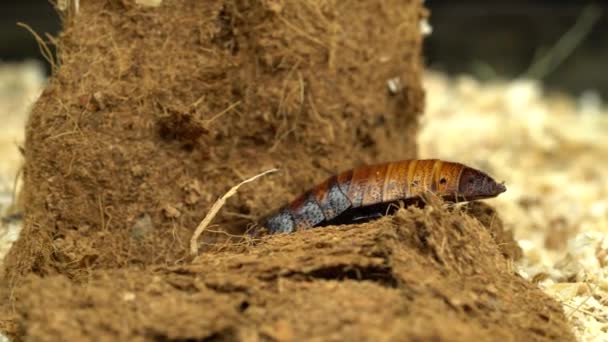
(20, 86)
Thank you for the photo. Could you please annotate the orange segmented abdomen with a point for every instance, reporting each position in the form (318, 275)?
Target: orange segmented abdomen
(367, 186)
(402, 180)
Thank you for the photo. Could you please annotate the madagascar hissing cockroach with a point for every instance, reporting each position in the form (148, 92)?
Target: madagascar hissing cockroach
(367, 191)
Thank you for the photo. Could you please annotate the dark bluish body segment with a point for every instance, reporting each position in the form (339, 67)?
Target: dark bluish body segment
(363, 192)
(282, 222)
(333, 200)
(312, 208)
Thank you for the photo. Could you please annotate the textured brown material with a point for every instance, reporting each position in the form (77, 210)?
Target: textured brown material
(504, 238)
(421, 275)
(156, 112)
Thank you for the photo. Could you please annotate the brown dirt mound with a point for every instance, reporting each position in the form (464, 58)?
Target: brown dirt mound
(155, 112)
(420, 275)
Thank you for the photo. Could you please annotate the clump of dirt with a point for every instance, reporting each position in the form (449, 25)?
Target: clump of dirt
(422, 274)
(489, 218)
(156, 112)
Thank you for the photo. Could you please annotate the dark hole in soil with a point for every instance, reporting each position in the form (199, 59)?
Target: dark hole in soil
(379, 274)
(243, 306)
(227, 334)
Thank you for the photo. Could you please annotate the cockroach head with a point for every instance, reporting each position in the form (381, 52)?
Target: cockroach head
(475, 185)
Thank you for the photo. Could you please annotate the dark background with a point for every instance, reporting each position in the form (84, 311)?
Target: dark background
(481, 37)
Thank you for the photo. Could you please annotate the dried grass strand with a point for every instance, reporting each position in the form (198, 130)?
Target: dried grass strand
(229, 108)
(215, 208)
(42, 45)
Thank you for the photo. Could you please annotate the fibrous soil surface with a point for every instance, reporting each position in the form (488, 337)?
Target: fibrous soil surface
(145, 125)
(429, 274)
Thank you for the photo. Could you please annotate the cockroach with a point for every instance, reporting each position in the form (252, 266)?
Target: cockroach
(367, 192)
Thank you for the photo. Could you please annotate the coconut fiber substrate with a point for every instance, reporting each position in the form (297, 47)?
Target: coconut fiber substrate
(154, 112)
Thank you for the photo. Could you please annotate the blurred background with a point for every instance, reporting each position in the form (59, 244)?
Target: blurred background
(486, 39)
(562, 42)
